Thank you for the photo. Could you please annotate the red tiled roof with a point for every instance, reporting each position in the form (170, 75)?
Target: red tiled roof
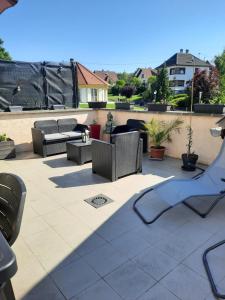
(148, 72)
(4, 4)
(107, 75)
(86, 77)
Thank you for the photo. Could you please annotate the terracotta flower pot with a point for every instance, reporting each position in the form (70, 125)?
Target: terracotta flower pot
(157, 153)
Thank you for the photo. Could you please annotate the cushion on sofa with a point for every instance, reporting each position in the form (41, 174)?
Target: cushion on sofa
(72, 134)
(66, 125)
(48, 126)
(54, 137)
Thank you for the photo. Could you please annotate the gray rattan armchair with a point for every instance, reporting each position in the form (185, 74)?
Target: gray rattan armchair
(120, 158)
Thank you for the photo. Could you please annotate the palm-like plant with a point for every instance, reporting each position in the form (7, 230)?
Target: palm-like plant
(160, 131)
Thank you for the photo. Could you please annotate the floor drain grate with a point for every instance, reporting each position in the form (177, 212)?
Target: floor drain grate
(98, 201)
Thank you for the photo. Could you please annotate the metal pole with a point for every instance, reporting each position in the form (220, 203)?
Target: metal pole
(192, 90)
(75, 83)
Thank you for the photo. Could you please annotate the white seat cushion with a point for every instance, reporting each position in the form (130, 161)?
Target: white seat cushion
(72, 134)
(54, 136)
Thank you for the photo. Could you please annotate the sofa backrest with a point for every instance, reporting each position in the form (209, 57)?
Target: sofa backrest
(137, 124)
(48, 126)
(127, 148)
(66, 125)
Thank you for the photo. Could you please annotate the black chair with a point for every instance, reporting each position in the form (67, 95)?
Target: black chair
(12, 199)
(134, 125)
(117, 159)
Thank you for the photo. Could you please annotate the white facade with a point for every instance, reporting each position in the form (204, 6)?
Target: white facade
(93, 94)
(180, 76)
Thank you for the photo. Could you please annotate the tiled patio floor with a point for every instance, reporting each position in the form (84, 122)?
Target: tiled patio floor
(67, 249)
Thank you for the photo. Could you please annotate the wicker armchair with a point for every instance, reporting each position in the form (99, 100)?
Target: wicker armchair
(134, 125)
(120, 158)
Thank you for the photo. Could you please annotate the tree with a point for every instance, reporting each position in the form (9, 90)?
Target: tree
(220, 65)
(3, 53)
(206, 83)
(151, 87)
(162, 85)
(128, 91)
(124, 76)
(120, 83)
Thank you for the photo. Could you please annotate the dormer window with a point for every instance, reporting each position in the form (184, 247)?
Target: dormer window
(176, 71)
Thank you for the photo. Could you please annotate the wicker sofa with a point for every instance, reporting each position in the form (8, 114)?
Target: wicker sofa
(121, 157)
(134, 125)
(50, 136)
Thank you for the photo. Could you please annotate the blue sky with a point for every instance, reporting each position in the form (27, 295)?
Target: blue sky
(116, 35)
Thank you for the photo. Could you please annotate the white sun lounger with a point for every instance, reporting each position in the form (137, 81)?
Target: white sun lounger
(210, 183)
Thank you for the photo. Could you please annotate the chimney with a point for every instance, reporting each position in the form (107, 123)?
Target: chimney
(181, 50)
(187, 51)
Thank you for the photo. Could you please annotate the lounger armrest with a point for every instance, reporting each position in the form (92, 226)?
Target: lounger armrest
(81, 127)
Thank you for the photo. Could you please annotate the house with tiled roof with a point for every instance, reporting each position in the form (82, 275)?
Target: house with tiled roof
(91, 86)
(4, 4)
(109, 76)
(181, 68)
(144, 73)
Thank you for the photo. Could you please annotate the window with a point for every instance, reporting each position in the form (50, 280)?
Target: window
(174, 83)
(175, 71)
(94, 94)
(142, 75)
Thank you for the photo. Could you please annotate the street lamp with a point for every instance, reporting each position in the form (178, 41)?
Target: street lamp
(200, 97)
(155, 93)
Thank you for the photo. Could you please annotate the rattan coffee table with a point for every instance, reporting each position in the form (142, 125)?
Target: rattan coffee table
(79, 152)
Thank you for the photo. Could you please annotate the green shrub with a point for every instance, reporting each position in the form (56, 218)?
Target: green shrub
(180, 100)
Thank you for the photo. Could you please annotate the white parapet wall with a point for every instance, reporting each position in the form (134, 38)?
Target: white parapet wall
(204, 144)
(18, 126)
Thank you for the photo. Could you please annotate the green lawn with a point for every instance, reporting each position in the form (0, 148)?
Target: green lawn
(114, 98)
(109, 105)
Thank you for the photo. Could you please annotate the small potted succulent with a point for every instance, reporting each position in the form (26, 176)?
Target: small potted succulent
(189, 158)
(7, 147)
(159, 133)
(95, 130)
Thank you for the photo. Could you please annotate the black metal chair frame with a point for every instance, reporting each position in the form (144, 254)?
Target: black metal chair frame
(201, 214)
(208, 271)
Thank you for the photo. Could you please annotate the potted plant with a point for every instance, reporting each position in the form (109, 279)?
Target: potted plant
(209, 108)
(127, 91)
(95, 130)
(160, 132)
(7, 147)
(161, 106)
(97, 104)
(189, 158)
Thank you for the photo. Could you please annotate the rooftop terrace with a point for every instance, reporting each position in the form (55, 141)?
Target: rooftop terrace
(68, 249)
